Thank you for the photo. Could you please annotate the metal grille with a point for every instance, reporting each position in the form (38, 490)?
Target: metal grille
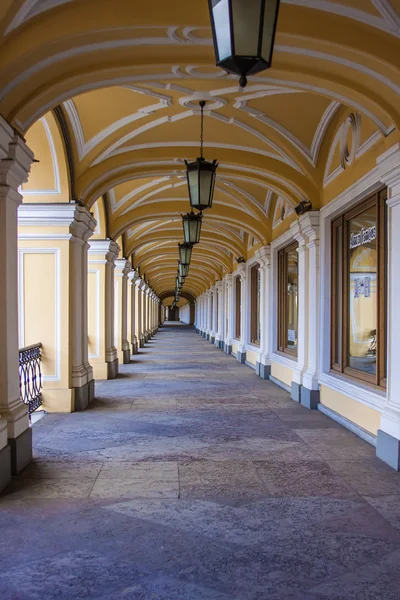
(30, 376)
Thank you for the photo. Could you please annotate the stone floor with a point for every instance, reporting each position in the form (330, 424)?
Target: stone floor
(189, 478)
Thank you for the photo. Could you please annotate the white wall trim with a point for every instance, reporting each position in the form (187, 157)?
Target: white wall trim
(21, 304)
(97, 274)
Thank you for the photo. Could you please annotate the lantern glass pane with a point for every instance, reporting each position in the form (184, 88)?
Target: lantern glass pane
(193, 180)
(246, 25)
(271, 7)
(220, 12)
(185, 254)
(206, 188)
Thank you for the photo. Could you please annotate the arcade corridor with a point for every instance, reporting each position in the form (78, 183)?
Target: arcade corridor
(189, 478)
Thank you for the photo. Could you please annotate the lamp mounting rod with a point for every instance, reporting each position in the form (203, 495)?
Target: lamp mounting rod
(202, 104)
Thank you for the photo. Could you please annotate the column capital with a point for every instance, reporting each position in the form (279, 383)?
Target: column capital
(298, 234)
(263, 256)
(133, 276)
(389, 169)
(309, 224)
(241, 270)
(79, 222)
(108, 248)
(122, 267)
(218, 285)
(15, 157)
(228, 280)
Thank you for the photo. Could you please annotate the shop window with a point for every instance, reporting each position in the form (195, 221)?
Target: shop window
(358, 338)
(288, 276)
(238, 307)
(255, 305)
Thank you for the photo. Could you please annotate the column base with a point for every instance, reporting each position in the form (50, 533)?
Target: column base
(309, 398)
(126, 357)
(141, 342)
(388, 449)
(83, 396)
(295, 391)
(263, 371)
(21, 451)
(92, 390)
(227, 348)
(212, 339)
(134, 348)
(112, 369)
(241, 357)
(5, 467)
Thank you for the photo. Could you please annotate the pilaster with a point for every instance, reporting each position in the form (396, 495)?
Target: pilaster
(15, 163)
(264, 260)
(241, 353)
(122, 268)
(229, 313)
(219, 295)
(388, 439)
(102, 350)
(133, 277)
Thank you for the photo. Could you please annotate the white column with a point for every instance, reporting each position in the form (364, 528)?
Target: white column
(302, 326)
(122, 268)
(208, 314)
(228, 313)
(214, 315)
(388, 440)
(15, 163)
(133, 276)
(111, 350)
(219, 299)
(139, 309)
(309, 224)
(241, 354)
(264, 260)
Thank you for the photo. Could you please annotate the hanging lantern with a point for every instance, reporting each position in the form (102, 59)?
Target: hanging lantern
(192, 227)
(201, 176)
(185, 253)
(183, 270)
(181, 279)
(244, 35)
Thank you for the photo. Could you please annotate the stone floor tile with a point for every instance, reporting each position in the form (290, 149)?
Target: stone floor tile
(269, 501)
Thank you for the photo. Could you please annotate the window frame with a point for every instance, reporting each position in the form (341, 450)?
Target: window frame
(238, 306)
(255, 308)
(379, 380)
(283, 299)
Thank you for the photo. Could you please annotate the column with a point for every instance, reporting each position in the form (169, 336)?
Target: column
(208, 315)
(219, 314)
(15, 162)
(102, 351)
(229, 313)
(213, 334)
(388, 439)
(309, 396)
(241, 353)
(263, 368)
(301, 366)
(139, 317)
(122, 268)
(132, 337)
(52, 240)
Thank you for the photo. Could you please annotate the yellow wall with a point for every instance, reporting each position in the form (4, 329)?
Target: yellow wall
(361, 415)
(235, 347)
(282, 373)
(252, 357)
(44, 313)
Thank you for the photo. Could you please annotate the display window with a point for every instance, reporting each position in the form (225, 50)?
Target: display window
(358, 336)
(288, 281)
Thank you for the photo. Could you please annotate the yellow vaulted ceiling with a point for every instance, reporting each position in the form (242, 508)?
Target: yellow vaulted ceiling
(127, 78)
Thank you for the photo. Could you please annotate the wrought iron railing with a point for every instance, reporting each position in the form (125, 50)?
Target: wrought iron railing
(30, 376)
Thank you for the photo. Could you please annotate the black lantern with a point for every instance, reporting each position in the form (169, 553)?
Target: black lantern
(185, 253)
(181, 278)
(244, 35)
(183, 270)
(192, 227)
(201, 176)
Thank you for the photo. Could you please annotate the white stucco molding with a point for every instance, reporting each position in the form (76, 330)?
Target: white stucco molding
(76, 218)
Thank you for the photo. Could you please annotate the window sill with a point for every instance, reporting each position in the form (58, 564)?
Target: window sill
(288, 360)
(354, 389)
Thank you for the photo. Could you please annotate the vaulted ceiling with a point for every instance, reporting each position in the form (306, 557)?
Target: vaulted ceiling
(127, 78)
